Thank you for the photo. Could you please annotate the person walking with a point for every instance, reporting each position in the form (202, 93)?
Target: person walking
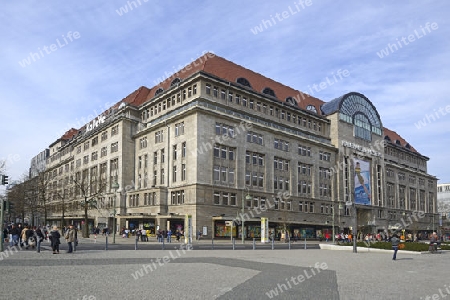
(14, 232)
(70, 237)
(169, 236)
(54, 239)
(395, 241)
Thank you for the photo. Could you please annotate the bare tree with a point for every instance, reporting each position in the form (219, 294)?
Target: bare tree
(89, 186)
(42, 188)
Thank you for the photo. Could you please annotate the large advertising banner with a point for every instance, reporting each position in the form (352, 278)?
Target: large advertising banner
(362, 182)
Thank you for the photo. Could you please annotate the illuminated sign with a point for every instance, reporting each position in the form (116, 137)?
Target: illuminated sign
(94, 124)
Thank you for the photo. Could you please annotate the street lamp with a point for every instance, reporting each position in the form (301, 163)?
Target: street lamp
(115, 186)
(248, 197)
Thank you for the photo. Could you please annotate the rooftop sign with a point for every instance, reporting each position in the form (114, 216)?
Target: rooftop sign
(94, 124)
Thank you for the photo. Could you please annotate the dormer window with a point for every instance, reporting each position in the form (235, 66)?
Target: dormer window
(243, 81)
(291, 101)
(175, 81)
(269, 91)
(159, 91)
(397, 142)
(311, 108)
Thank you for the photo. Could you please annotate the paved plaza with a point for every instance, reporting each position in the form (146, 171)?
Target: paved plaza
(181, 273)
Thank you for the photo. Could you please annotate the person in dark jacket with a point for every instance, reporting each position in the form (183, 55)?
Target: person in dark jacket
(54, 238)
(395, 241)
(14, 232)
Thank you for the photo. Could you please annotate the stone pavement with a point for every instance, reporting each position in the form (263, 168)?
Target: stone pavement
(240, 274)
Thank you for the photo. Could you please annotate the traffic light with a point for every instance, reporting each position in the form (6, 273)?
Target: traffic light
(9, 206)
(4, 179)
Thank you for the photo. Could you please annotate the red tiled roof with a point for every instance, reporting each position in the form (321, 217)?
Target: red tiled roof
(69, 134)
(136, 98)
(394, 136)
(227, 70)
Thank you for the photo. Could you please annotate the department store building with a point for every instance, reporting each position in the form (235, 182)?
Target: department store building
(217, 144)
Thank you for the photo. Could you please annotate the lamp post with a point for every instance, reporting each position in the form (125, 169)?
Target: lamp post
(248, 197)
(115, 186)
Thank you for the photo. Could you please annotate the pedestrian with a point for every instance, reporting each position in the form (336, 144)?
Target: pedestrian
(54, 239)
(39, 235)
(178, 234)
(395, 241)
(70, 237)
(169, 236)
(14, 232)
(27, 233)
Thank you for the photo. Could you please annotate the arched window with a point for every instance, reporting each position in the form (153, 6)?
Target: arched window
(175, 81)
(269, 91)
(387, 138)
(243, 81)
(397, 142)
(311, 108)
(159, 91)
(291, 101)
(408, 146)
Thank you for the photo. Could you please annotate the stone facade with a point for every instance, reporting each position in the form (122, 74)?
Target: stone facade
(222, 152)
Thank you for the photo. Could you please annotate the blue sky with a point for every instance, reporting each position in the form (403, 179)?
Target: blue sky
(111, 52)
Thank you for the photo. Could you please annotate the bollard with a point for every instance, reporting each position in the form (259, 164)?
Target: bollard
(212, 243)
(305, 243)
(38, 246)
(106, 243)
(233, 243)
(254, 244)
(135, 243)
(289, 241)
(163, 245)
(272, 243)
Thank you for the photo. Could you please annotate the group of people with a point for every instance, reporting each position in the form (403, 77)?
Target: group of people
(27, 236)
(70, 235)
(143, 234)
(24, 236)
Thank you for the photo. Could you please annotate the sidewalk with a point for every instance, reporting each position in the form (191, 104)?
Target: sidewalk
(153, 240)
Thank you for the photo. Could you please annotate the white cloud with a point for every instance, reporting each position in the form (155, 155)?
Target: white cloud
(117, 54)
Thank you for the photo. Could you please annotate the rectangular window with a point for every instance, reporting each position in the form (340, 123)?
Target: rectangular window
(179, 128)
(183, 149)
(216, 173)
(104, 135)
(174, 174)
(183, 172)
(216, 198)
(174, 152)
(233, 199)
(114, 147)
(115, 130)
(104, 151)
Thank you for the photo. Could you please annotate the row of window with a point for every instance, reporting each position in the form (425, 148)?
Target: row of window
(404, 156)
(171, 101)
(238, 99)
(94, 141)
(94, 155)
(411, 178)
(230, 199)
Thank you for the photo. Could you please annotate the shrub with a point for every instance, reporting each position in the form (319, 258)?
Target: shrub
(388, 246)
